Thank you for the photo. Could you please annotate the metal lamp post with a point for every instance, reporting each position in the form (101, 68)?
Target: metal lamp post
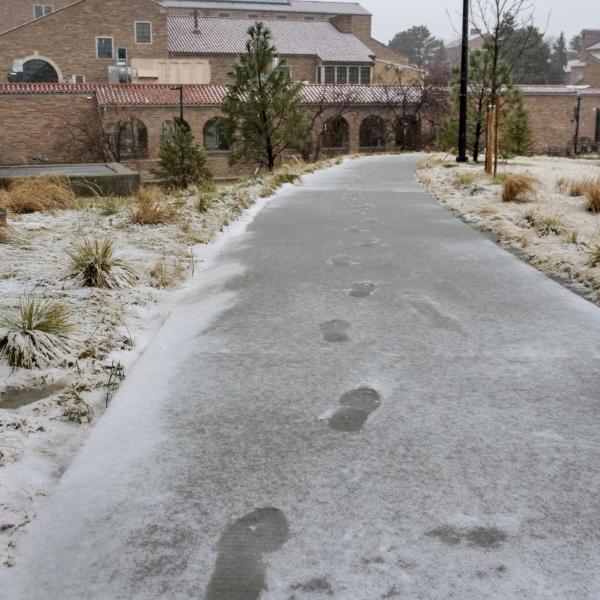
(464, 87)
(180, 89)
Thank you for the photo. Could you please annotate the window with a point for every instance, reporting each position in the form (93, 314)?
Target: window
(38, 70)
(365, 75)
(41, 10)
(133, 139)
(253, 16)
(224, 15)
(143, 32)
(329, 75)
(308, 18)
(282, 17)
(77, 78)
(215, 136)
(342, 74)
(122, 54)
(104, 47)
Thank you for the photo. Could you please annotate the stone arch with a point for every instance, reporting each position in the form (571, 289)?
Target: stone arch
(408, 133)
(335, 134)
(372, 133)
(48, 71)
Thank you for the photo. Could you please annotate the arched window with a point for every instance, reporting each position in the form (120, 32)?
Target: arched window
(335, 133)
(168, 128)
(215, 135)
(372, 133)
(408, 133)
(37, 70)
(132, 139)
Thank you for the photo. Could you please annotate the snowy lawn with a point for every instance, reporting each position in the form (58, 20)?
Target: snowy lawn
(45, 414)
(552, 230)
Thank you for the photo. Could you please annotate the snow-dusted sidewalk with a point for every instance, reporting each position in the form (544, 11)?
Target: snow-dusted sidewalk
(364, 399)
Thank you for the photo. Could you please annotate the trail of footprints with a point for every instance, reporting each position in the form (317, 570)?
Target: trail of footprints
(239, 573)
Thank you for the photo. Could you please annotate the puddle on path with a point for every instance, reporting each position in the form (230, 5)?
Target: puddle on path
(16, 398)
(357, 406)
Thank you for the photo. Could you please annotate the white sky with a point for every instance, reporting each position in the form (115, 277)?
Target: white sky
(553, 16)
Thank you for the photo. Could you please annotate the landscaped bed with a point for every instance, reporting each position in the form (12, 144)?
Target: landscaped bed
(545, 209)
(84, 283)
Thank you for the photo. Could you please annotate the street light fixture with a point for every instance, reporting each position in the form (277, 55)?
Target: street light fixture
(464, 87)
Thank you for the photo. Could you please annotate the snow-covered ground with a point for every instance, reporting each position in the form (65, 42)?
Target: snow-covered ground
(45, 415)
(563, 253)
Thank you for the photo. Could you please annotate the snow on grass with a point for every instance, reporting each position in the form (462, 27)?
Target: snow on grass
(550, 227)
(111, 327)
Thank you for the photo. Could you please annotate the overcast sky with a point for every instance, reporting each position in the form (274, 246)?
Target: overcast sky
(391, 16)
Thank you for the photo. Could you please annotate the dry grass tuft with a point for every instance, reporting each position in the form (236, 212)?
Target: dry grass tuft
(594, 255)
(111, 206)
(39, 194)
(572, 236)
(464, 179)
(204, 201)
(518, 188)
(577, 187)
(165, 276)
(36, 336)
(549, 225)
(592, 196)
(151, 208)
(94, 264)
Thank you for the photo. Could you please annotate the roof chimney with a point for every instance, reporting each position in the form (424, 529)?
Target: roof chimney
(196, 21)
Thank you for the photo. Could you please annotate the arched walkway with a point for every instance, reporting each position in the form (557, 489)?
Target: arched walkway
(335, 134)
(408, 133)
(372, 133)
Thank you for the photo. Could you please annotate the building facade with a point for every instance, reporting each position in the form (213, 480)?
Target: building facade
(194, 42)
(584, 69)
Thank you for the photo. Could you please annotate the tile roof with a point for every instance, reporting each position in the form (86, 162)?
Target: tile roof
(208, 94)
(212, 95)
(291, 38)
(299, 6)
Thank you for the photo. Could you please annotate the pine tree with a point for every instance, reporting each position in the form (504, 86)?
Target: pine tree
(517, 138)
(264, 116)
(182, 162)
(559, 60)
(419, 46)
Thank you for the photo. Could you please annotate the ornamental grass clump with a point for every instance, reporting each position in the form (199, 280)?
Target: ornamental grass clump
(94, 264)
(36, 335)
(38, 194)
(518, 188)
(592, 196)
(594, 255)
(151, 208)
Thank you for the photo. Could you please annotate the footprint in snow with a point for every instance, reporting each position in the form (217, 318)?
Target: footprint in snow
(356, 407)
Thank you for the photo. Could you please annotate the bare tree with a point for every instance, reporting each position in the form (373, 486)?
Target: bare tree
(498, 20)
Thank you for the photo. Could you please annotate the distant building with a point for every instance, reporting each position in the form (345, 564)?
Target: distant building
(585, 68)
(454, 48)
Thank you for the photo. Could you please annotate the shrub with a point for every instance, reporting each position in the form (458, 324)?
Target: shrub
(578, 187)
(592, 196)
(37, 335)
(40, 194)
(94, 264)
(572, 236)
(181, 162)
(518, 188)
(151, 208)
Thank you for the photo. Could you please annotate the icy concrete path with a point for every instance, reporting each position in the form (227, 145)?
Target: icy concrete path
(367, 400)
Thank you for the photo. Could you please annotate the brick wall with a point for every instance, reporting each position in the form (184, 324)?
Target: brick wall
(301, 67)
(18, 12)
(33, 126)
(359, 25)
(550, 118)
(591, 72)
(68, 38)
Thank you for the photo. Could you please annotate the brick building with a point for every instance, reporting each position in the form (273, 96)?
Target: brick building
(584, 69)
(195, 41)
